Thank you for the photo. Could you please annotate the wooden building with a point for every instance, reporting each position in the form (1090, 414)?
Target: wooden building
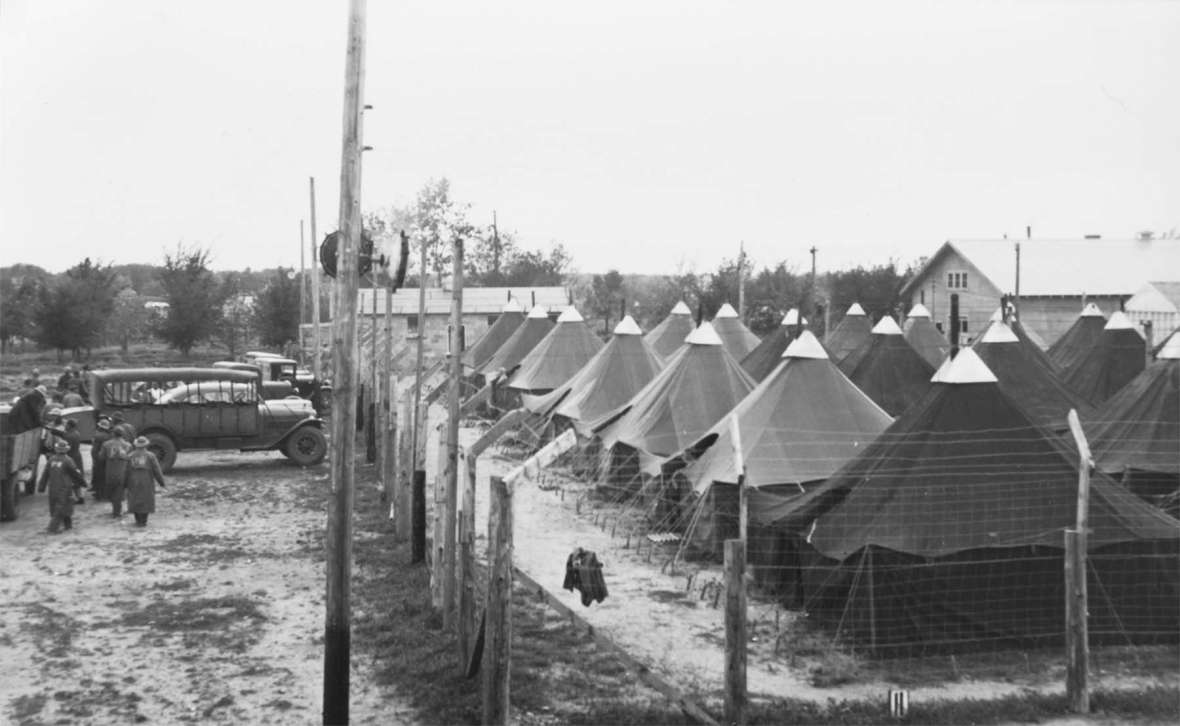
(1056, 279)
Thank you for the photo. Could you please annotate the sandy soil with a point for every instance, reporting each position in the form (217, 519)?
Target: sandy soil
(212, 614)
(676, 629)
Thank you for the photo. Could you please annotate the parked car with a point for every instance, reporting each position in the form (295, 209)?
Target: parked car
(276, 367)
(180, 409)
(271, 389)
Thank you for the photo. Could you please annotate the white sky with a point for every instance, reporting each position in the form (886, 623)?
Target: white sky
(642, 134)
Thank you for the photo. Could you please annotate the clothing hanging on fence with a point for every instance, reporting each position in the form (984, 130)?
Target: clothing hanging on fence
(583, 572)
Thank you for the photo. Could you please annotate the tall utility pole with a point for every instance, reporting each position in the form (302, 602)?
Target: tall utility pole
(417, 433)
(741, 273)
(302, 287)
(315, 290)
(813, 296)
(338, 543)
(496, 249)
(450, 573)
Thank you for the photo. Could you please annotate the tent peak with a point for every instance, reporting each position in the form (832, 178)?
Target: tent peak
(680, 309)
(966, 367)
(886, 326)
(1091, 311)
(538, 311)
(511, 306)
(999, 332)
(627, 326)
(703, 335)
(570, 315)
(1119, 321)
(792, 317)
(1171, 349)
(855, 309)
(806, 346)
(726, 311)
(919, 311)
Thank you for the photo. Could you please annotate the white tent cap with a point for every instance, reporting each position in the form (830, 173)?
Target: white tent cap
(919, 311)
(999, 332)
(1171, 349)
(680, 309)
(1091, 311)
(538, 311)
(511, 306)
(805, 346)
(570, 315)
(1119, 321)
(886, 326)
(938, 374)
(792, 317)
(627, 326)
(967, 367)
(855, 309)
(704, 334)
(726, 311)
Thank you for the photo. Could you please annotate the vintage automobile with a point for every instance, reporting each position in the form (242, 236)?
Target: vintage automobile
(18, 462)
(181, 409)
(276, 368)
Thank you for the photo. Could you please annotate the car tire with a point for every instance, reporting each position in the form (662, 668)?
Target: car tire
(164, 448)
(307, 446)
(9, 499)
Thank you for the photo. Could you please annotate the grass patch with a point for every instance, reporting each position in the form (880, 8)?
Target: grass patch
(24, 709)
(52, 631)
(225, 623)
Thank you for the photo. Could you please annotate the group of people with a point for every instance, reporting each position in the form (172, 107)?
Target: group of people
(122, 468)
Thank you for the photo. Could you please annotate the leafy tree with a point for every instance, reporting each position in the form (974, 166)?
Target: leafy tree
(129, 320)
(72, 312)
(277, 310)
(237, 327)
(875, 288)
(488, 256)
(437, 220)
(531, 267)
(19, 298)
(194, 298)
(606, 292)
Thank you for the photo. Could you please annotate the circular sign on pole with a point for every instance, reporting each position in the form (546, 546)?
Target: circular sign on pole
(328, 253)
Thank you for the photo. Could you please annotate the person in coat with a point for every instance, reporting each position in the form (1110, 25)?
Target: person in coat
(98, 476)
(118, 424)
(115, 453)
(143, 473)
(74, 438)
(60, 477)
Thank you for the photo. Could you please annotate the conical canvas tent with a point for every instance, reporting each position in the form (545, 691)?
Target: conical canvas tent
(1136, 433)
(506, 324)
(921, 333)
(946, 533)
(509, 355)
(560, 354)
(850, 335)
(735, 336)
(698, 385)
(1031, 341)
(1079, 340)
(799, 425)
(1119, 356)
(889, 370)
(1026, 378)
(768, 354)
(615, 374)
(667, 337)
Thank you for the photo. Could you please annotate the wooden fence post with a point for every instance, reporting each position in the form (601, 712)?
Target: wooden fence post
(497, 652)
(405, 472)
(438, 516)
(1077, 636)
(418, 517)
(466, 574)
(736, 699)
(451, 451)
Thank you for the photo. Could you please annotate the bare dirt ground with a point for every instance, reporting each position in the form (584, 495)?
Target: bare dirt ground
(212, 614)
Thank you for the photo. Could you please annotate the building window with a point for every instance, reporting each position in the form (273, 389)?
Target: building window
(956, 280)
(412, 324)
(492, 320)
(962, 324)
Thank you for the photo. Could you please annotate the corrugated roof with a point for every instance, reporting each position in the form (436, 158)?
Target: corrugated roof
(486, 300)
(1066, 267)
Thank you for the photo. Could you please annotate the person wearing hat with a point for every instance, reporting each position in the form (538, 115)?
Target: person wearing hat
(26, 412)
(115, 453)
(98, 471)
(143, 473)
(60, 477)
(119, 424)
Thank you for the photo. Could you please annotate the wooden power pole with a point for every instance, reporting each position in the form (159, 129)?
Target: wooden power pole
(450, 573)
(338, 543)
(315, 291)
(302, 288)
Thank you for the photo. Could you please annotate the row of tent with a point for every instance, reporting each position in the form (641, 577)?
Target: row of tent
(874, 457)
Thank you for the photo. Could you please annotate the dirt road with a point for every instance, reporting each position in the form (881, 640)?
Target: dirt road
(213, 613)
